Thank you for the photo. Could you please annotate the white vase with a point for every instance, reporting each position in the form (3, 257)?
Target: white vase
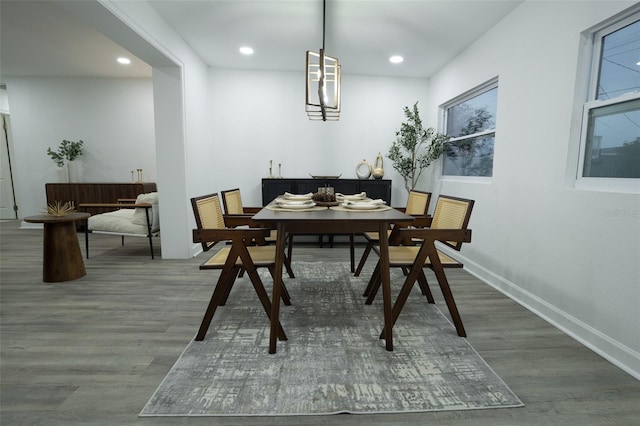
(61, 175)
(72, 169)
(363, 170)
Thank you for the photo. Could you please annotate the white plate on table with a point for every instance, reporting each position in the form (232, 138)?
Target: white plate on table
(297, 197)
(353, 197)
(293, 202)
(296, 205)
(363, 205)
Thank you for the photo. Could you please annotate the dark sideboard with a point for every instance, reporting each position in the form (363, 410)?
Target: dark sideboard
(375, 188)
(95, 192)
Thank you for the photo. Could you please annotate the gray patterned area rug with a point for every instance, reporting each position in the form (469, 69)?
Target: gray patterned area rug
(333, 361)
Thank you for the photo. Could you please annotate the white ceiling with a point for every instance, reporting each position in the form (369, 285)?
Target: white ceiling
(40, 38)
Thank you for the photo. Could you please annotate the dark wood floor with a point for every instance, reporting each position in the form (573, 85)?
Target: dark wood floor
(93, 350)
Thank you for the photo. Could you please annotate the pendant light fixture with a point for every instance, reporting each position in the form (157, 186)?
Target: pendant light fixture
(323, 82)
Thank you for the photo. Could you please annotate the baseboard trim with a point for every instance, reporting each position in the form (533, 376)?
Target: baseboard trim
(612, 350)
(29, 225)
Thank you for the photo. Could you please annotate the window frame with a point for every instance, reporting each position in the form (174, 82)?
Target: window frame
(590, 102)
(469, 94)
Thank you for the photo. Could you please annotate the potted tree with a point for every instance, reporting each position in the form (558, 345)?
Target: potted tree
(415, 148)
(69, 151)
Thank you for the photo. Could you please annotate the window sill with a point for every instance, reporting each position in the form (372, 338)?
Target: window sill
(619, 185)
(467, 179)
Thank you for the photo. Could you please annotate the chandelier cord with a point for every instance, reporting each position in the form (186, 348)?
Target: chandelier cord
(324, 15)
(326, 71)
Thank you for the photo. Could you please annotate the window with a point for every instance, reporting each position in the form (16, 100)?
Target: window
(610, 137)
(470, 121)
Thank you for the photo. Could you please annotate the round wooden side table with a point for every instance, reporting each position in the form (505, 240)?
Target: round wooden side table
(62, 260)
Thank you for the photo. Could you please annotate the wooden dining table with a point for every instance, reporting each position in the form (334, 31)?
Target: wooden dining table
(331, 220)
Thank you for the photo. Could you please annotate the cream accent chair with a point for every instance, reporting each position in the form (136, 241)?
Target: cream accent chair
(133, 218)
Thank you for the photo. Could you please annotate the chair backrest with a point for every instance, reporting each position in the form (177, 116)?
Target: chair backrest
(418, 203)
(452, 213)
(140, 214)
(232, 201)
(155, 218)
(208, 214)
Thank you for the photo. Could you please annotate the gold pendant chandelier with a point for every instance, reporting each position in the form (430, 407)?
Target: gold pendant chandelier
(323, 82)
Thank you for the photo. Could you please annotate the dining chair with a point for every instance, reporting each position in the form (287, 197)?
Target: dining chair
(449, 227)
(237, 215)
(241, 255)
(417, 206)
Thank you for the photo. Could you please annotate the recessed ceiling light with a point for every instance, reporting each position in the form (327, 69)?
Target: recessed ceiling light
(124, 61)
(396, 59)
(246, 50)
(638, 63)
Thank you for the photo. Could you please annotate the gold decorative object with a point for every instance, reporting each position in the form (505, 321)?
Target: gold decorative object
(324, 71)
(59, 209)
(378, 168)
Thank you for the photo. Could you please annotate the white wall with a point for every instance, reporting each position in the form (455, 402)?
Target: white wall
(558, 250)
(4, 102)
(183, 132)
(259, 116)
(114, 118)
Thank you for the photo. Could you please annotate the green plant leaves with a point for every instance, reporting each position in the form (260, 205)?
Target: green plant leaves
(415, 147)
(67, 150)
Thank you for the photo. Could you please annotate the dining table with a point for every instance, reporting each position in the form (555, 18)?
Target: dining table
(331, 220)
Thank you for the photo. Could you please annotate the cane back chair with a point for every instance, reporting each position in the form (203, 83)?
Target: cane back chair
(241, 255)
(449, 227)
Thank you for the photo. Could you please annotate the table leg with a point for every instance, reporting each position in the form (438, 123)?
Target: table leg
(277, 287)
(62, 257)
(386, 285)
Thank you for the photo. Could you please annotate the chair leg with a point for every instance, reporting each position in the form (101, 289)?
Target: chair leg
(287, 257)
(352, 248)
(86, 239)
(400, 301)
(284, 295)
(363, 259)
(227, 279)
(287, 265)
(264, 299)
(403, 295)
(374, 285)
(424, 287)
(448, 297)
(151, 245)
(217, 299)
(289, 247)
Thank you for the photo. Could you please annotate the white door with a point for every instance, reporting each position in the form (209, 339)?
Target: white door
(6, 185)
